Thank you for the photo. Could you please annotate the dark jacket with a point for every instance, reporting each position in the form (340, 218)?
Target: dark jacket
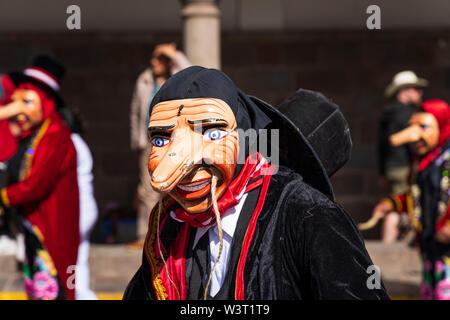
(394, 118)
(304, 247)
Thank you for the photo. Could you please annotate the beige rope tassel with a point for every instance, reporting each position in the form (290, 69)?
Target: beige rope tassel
(369, 224)
(160, 208)
(214, 180)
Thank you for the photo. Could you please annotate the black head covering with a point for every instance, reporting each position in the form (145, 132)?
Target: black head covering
(199, 82)
(250, 112)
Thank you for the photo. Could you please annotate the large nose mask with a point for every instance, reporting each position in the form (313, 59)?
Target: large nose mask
(27, 107)
(192, 140)
(422, 133)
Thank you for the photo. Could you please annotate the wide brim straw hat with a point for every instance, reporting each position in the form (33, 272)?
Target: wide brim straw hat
(404, 79)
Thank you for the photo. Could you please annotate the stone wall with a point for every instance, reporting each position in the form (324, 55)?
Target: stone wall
(351, 67)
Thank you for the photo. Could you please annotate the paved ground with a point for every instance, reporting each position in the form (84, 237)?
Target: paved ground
(112, 266)
(400, 268)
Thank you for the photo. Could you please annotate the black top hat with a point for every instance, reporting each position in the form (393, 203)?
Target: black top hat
(295, 151)
(323, 125)
(43, 71)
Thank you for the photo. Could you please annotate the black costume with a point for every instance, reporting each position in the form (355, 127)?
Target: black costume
(303, 245)
(394, 119)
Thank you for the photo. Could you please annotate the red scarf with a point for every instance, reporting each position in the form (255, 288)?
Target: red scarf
(249, 178)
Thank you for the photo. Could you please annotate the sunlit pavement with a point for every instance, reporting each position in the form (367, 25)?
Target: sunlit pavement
(113, 266)
(118, 296)
(22, 296)
(401, 268)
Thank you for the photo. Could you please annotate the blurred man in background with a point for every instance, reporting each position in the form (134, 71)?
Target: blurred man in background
(166, 61)
(405, 92)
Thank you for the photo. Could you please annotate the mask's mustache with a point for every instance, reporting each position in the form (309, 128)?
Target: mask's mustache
(187, 172)
(191, 173)
(215, 178)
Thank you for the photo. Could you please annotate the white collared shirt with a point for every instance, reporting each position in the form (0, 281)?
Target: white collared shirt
(229, 221)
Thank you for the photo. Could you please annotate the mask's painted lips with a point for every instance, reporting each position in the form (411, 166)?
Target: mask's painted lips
(194, 190)
(194, 186)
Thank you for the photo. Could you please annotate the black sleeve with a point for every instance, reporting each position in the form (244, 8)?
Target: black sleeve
(335, 257)
(382, 142)
(136, 289)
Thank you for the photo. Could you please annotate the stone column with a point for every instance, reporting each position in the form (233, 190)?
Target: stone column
(201, 32)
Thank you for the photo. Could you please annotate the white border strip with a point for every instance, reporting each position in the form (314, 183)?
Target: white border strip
(42, 77)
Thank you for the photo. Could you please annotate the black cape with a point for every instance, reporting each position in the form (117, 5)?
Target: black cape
(305, 246)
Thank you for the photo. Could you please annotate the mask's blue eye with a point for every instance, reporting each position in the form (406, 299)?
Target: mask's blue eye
(424, 126)
(159, 141)
(28, 102)
(214, 134)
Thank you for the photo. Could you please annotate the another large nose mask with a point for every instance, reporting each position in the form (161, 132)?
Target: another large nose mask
(409, 135)
(423, 132)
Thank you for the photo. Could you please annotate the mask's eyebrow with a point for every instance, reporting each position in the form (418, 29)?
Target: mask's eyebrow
(160, 128)
(201, 121)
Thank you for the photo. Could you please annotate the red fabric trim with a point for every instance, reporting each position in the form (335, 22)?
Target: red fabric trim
(239, 293)
(430, 157)
(254, 185)
(8, 143)
(176, 265)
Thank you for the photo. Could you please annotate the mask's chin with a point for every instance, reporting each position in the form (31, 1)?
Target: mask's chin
(24, 122)
(421, 147)
(193, 192)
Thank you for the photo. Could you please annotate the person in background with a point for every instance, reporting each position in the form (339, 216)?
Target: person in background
(88, 205)
(166, 61)
(43, 182)
(8, 143)
(8, 146)
(405, 92)
(427, 198)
